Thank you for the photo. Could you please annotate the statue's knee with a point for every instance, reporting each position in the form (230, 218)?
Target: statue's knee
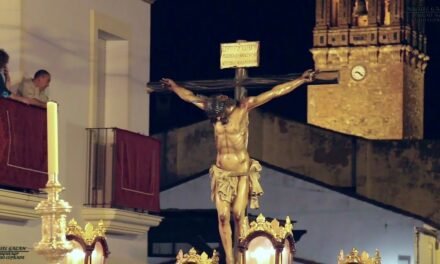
(238, 216)
(223, 218)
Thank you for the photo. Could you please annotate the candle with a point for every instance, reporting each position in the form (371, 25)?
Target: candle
(52, 138)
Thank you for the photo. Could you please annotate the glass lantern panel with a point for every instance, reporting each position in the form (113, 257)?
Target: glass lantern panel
(77, 255)
(98, 254)
(286, 256)
(260, 251)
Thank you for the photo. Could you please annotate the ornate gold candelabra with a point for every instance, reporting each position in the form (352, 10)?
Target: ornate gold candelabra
(53, 245)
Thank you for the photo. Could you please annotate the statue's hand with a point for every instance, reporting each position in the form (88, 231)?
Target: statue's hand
(168, 83)
(309, 75)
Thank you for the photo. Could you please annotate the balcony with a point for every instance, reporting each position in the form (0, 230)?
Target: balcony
(122, 178)
(23, 159)
(23, 146)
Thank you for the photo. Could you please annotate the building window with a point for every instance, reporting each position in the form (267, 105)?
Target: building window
(404, 259)
(163, 249)
(110, 65)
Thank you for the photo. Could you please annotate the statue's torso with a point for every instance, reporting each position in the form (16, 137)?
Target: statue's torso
(231, 141)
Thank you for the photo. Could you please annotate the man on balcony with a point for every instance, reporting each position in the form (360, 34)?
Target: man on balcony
(34, 89)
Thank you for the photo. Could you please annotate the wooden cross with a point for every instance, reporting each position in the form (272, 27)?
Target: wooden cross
(242, 55)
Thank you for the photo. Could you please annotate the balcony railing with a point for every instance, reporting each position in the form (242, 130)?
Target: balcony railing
(23, 146)
(123, 170)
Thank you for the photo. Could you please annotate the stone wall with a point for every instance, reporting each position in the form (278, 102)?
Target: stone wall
(403, 174)
(413, 99)
(372, 107)
(186, 151)
(323, 155)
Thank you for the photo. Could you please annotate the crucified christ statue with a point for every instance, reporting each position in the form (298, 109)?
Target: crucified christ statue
(234, 176)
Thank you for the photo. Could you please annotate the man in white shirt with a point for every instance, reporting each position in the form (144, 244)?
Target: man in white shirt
(34, 89)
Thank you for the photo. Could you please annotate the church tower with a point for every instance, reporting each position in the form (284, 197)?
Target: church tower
(379, 47)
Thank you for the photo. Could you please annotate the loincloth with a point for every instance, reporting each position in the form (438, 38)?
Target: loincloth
(225, 183)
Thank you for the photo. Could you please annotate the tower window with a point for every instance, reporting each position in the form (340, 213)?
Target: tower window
(386, 12)
(372, 37)
(395, 35)
(334, 12)
(321, 39)
(360, 13)
(343, 37)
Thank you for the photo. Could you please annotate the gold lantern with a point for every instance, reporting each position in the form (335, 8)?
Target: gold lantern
(193, 258)
(89, 245)
(266, 242)
(355, 257)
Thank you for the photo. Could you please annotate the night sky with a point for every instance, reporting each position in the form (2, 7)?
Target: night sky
(185, 45)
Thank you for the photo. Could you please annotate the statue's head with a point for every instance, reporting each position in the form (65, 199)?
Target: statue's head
(219, 107)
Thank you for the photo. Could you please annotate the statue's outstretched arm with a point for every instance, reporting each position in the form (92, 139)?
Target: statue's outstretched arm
(185, 94)
(279, 90)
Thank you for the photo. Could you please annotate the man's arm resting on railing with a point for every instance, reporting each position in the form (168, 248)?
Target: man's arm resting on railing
(18, 98)
(36, 102)
(25, 100)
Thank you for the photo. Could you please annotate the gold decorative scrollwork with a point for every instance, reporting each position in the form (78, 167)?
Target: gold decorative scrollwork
(89, 233)
(272, 228)
(193, 258)
(355, 257)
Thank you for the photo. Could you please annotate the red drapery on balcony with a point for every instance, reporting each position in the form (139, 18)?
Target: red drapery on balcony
(136, 182)
(23, 145)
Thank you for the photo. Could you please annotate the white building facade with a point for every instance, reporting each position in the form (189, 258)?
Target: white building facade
(98, 54)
